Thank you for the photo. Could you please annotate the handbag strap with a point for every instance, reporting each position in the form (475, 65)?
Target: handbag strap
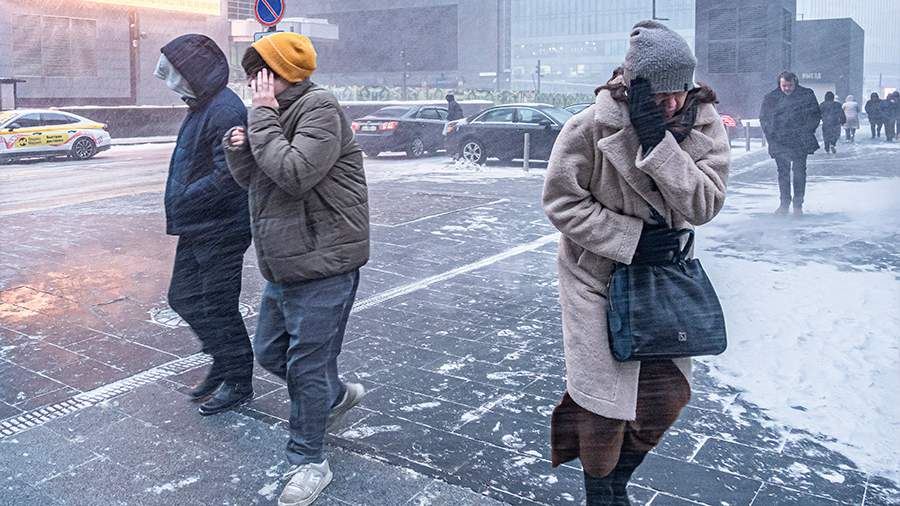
(686, 250)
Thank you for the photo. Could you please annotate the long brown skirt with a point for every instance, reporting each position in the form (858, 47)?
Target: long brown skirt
(577, 433)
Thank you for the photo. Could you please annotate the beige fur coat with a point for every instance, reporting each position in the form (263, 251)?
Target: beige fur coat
(598, 193)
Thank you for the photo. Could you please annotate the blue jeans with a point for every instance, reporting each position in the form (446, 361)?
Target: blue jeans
(299, 337)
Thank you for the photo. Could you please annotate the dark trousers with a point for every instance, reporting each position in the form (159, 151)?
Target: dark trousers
(205, 291)
(299, 337)
(890, 129)
(876, 128)
(610, 450)
(787, 162)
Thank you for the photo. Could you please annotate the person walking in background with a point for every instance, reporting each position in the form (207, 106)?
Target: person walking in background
(789, 116)
(208, 212)
(310, 218)
(653, 145)
(851, 113)
(832, 119)
(454, 110)
(873, 111)
(890, 115)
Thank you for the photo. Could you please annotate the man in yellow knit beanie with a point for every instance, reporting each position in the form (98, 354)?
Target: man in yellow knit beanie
(310, 220)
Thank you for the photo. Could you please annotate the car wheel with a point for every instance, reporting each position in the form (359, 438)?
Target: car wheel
(416, 148)
(83, 148)
(473, 151)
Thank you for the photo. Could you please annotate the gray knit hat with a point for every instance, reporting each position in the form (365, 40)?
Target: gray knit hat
(660, 56)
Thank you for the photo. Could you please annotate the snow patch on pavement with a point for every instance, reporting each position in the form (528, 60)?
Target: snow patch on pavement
(173, 486)
(834, 353)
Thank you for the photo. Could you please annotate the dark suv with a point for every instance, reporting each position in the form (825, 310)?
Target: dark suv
(499, 132)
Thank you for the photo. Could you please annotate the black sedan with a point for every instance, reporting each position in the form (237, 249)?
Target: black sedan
(411, 128)
(499, 132)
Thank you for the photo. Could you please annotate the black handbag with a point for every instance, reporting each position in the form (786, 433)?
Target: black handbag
(663, 305)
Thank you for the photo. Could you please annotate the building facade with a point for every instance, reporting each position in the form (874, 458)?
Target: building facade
(741, 47)
(99, 52)
(879, 20)
(838, 69)
(436, 43)
(578, 43)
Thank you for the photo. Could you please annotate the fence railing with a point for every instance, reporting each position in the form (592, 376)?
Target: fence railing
(395, 93)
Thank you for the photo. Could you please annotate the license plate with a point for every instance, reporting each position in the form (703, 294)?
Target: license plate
(369, 128)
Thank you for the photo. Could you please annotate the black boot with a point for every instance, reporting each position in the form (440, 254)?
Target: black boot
(229, 395)
(598, 491)
(214, 377)
(620, 476)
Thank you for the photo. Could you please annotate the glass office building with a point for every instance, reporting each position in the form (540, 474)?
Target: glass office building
(580, 42)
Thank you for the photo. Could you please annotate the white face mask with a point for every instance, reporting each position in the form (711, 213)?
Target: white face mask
(174, 80)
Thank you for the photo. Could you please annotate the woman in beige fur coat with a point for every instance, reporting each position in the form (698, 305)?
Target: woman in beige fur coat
(652, 146)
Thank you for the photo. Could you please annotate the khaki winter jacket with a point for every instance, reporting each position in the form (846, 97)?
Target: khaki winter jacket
(598, 193)
(308, 199)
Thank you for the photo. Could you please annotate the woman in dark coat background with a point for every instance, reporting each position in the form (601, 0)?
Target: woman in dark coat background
(832, 119)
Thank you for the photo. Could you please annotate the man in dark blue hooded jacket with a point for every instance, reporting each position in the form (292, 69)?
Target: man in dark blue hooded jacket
(208, 212)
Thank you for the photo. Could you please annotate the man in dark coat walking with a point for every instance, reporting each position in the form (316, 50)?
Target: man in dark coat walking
(789, 117)
(873, 111)
(208, 211)
(454, 110)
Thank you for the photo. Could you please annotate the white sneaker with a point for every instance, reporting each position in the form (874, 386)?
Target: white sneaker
(307, 482)
(352, 395)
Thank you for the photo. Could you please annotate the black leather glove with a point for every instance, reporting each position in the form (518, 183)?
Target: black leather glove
(658, 244)
(646, 115)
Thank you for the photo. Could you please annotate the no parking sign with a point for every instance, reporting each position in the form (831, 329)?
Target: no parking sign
(269, 12)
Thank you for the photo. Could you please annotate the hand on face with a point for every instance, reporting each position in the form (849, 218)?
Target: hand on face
(647, 116)
(263, 86)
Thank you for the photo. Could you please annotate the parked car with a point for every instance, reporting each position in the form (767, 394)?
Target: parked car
(41, 133)
(499, 132)
(414, 129)
(577, 108)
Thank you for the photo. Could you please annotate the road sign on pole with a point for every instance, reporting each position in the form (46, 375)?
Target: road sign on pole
(269, 12)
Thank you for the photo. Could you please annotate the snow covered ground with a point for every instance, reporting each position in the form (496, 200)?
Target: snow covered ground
(812, 309)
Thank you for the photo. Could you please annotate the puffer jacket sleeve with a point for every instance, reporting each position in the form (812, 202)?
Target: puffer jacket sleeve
(572, 208)
(240, 161)
(299, 165)
(218, 184)
(693, 188)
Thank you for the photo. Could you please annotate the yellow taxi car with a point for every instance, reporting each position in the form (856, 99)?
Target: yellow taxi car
(35, 133)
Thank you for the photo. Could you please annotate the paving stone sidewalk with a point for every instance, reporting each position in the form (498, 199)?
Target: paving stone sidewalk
(461, 357)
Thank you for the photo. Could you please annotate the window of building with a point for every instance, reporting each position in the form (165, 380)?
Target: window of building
(54, 46)
(722, 57)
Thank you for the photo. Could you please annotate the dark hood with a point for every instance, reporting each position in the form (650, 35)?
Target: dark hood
(201, 62)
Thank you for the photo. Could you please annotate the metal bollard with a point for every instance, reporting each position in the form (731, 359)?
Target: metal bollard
(747, 131)
(525, 161)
